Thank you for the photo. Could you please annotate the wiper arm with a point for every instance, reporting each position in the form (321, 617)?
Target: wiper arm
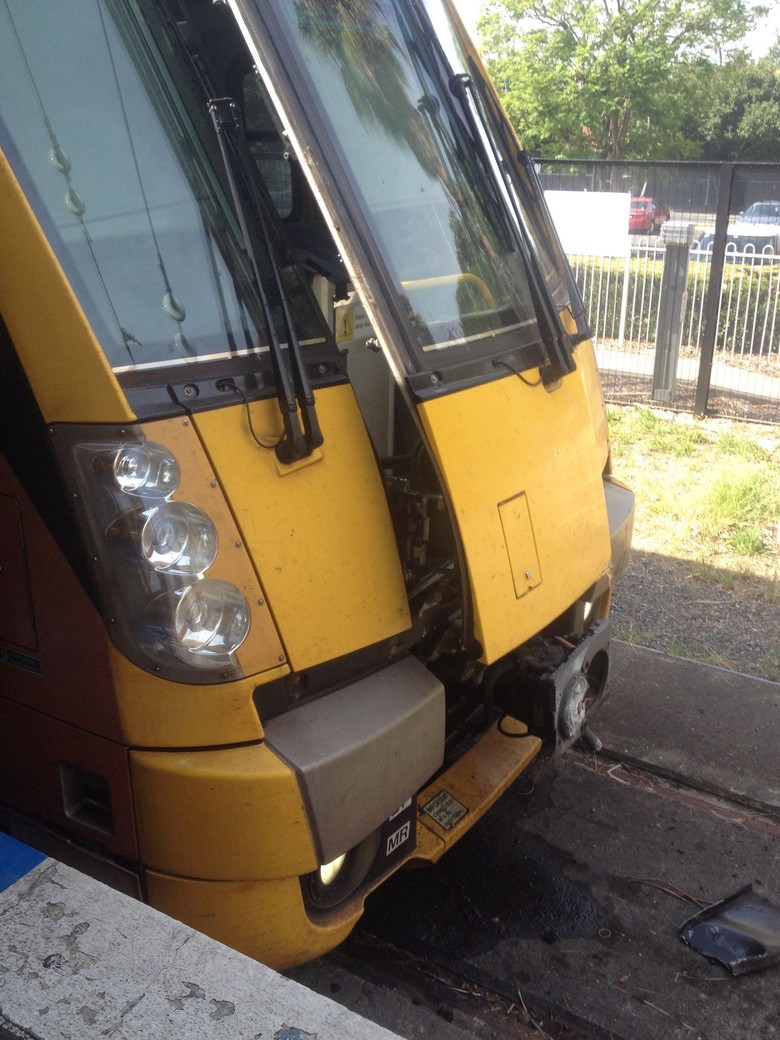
(543, 223)
(557, 343)
(296, 443)
(554, 335)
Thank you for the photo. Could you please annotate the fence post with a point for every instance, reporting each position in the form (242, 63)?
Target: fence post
(712, 303)
(677, 236)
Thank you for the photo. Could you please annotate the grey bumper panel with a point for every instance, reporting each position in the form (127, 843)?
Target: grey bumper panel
(362, 751)
(620, 513)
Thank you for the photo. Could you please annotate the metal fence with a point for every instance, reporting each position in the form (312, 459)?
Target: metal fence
(689, 322)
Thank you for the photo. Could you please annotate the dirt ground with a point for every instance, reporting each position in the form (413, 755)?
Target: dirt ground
(685, 592)
(660, 603)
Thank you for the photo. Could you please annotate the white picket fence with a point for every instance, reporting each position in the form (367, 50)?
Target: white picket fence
(622, 297)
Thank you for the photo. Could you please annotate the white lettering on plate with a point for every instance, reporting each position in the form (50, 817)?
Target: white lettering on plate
(398, 838)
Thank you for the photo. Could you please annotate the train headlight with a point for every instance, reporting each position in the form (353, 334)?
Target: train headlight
(173, 537)
(211, 618)
(145, 469)
(152, 551)
(338, 880)
(330, 871)
(178, 536)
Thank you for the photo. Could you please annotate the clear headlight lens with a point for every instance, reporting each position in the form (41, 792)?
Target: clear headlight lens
(145, 469)
(211, 617)
(176, 537)
(164, 613)
(179, 537)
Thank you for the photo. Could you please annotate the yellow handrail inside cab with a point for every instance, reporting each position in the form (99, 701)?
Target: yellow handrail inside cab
(448, 279)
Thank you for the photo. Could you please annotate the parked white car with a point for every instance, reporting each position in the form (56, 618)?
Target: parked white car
(767, 212)
(745, 243)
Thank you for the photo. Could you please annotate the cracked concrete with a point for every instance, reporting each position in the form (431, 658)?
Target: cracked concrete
(79, 961)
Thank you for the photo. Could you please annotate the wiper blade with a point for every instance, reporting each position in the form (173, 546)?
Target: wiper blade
(542, 221)
(555, 338)
(296, 442)
(557, 343)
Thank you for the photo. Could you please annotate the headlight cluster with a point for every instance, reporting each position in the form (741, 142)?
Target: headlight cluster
(152, 553)
(176, 537)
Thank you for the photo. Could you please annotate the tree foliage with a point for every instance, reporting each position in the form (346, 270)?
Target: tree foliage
(607, 78)
(741, 120)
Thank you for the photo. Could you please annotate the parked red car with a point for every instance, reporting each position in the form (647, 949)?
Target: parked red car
(646, 216)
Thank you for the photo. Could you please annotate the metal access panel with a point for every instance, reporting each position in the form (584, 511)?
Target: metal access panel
(520, 544)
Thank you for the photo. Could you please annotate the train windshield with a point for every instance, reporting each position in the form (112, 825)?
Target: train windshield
(107, 128)
(132, 185)
(389, 83)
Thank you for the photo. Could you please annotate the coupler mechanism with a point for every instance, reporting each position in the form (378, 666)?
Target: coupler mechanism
(555, 685)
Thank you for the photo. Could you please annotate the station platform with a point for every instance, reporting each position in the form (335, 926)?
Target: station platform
(80, 961)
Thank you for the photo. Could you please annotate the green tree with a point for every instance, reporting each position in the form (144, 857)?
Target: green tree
(610, 78)
(741, 120)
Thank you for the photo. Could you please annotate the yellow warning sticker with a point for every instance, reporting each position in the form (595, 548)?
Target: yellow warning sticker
(345, 323)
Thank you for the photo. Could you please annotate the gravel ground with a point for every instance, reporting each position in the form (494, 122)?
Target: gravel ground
(685, 591)
(660, 603)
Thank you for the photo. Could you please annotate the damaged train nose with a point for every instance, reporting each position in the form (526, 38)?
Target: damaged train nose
(555, 685)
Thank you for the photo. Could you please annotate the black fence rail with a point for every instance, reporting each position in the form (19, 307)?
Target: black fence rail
(687, 313)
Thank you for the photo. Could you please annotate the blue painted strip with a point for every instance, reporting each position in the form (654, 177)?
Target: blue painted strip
(16, 860)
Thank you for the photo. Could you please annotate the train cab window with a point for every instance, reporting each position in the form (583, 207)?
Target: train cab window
(130, 189)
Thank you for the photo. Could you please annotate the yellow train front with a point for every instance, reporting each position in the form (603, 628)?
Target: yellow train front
(308, 523)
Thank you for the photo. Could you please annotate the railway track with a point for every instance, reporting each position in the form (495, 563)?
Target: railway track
(559, 914)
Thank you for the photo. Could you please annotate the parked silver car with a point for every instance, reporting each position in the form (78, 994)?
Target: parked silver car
(745, 243)
(762, 213)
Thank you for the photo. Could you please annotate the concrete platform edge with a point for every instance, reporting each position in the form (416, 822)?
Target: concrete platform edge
(78, 959)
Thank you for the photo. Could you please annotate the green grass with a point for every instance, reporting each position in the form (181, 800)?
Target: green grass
(714, 575)
(708, 496)
(743, 447)
(730, 494)
(655, 433)
(681, 442)
(770, 666)
(747, 541)
(743, 508)
(743, 499)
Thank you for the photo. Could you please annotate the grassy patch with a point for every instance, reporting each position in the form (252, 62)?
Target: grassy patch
(704, 489)
(747, 541)
(743, 447)
(707, 491)
(770, 666)
(713, 575)
(642, 427)
(706, 530)
(681, 442)
(706, 654)
(744, 508)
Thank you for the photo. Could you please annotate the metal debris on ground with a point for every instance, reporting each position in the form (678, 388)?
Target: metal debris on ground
(742, 932)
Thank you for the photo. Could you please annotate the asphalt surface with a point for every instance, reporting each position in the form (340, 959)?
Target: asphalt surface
(567, 899)
(709, 728)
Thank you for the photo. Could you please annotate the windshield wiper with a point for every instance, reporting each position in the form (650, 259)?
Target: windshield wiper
(296, 442)
(556, 339)
(540, 218)
(460, 86)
